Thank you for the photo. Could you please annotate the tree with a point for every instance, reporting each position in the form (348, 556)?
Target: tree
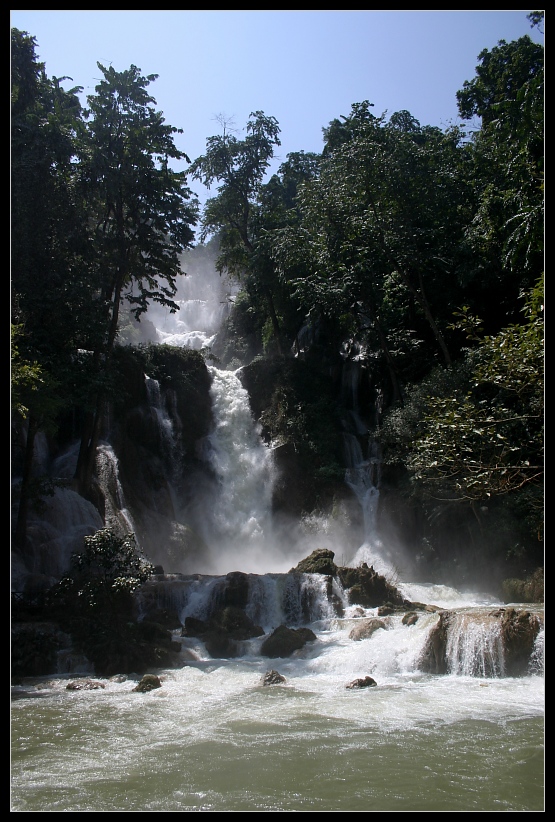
(485, 439)
(141, 214)
(51, 296)
(380, 229)
(239, 167)
(506, 233)
(95, 601)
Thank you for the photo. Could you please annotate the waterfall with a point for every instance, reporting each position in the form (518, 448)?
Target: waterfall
(272, 599)
(474, 646)
(240, 521)
(117, 516)
(362, 475)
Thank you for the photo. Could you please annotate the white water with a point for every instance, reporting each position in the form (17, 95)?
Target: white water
(243, 465)
(214, 739)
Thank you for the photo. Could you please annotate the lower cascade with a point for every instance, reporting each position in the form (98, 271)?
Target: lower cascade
(400, 638)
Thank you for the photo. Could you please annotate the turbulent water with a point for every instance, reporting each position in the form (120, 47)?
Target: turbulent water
(213, 738)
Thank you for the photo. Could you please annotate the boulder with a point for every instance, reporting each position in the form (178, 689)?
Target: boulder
(272, 678)
(148, 683)
(368, 588)
(285, 641)
(223, 632)
(320, 561)
(84, 685)
(364, 682)
(366, 628)
(517, 629)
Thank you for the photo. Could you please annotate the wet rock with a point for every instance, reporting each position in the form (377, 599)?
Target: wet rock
(34, 648)
(519, 630)
(410, 618)
(320, 561)
(285, 641)
(272, 678)
(84, 685)
(516, 630)
(236, 592)
(364, 682)
(148, 682)
(433, 659)
(366, 628)
(368, 588)
(223, 632)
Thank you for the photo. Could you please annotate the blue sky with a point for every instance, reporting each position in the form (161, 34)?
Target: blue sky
(304, 68)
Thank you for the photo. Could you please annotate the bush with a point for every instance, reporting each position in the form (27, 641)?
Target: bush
(530, 589)
(96, 603)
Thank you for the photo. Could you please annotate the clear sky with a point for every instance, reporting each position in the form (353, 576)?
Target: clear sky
(304, 68)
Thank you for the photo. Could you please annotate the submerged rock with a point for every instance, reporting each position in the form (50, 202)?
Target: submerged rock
(85, 685)
(364, 682)
(366, 628)
(272, 678)
(149, 682)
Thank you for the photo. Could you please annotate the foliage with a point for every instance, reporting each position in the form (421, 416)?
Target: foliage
(95, 601)
(376, 241)
(107, 571)
(25, 376)
(239, 167)
(142, 209)
(299, 410)
(530, 589)
(476, 431)
(506, 234)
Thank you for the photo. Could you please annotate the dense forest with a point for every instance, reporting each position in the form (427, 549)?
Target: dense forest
(415, 251)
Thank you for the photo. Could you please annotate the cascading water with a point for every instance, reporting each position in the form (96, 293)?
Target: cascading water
(240, 520)
(117, 516)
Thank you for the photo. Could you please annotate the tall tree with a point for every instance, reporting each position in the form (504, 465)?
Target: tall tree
(141, 217)
(50, 292)
(239, 166)
(506, 233)
(381, 228)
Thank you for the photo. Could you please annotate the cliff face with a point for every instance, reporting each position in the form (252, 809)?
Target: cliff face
(149, 468)
(157, 438)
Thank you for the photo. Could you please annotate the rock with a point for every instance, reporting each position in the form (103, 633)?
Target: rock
(518, 631)
(433, 659)
(366, 628)
(236, 592)
(272, 678)
(194, 627)
(368, 588)
(410, 618)
(285, 641)
(365, 682)
(320, 561)
(148, 683)
(34, 648)
(223, 631)
(84, 685)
